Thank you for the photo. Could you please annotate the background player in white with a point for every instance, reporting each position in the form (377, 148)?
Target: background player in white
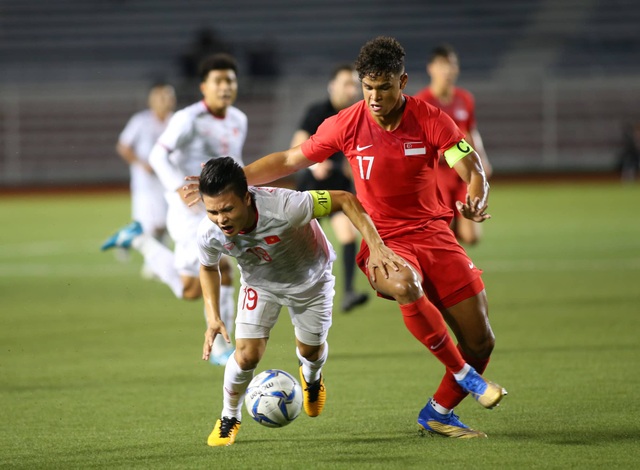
(148, 205)
(285, 260)
(207, 129)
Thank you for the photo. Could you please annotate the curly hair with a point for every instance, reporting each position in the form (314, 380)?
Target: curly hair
(379, 57)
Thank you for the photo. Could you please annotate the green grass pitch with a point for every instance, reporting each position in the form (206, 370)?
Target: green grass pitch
(101, 369)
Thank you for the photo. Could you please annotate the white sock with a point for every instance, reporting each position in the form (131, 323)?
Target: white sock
(439, 408)
(311, 370)
(160, 260)
(228, 308)
(462, 373)
(236, 382)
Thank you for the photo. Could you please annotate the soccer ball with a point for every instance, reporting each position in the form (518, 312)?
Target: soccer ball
(274, 398)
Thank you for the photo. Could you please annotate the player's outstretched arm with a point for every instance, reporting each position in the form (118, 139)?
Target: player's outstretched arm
(472, 172)
(381, 256)
(210, 281)
(276, 165)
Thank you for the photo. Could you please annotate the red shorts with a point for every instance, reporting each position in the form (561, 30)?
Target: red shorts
(448, 274)
(452, 188)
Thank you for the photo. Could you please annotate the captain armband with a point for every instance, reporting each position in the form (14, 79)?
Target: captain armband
(321, 203)
(457, 152)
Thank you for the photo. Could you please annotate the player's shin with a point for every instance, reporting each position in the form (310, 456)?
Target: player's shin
(236, 382)
(426, 324)
(160, 260)
(449, 393)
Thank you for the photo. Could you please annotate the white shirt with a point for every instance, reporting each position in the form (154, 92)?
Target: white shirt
(287, 252)
(141, 133)
(193, 136)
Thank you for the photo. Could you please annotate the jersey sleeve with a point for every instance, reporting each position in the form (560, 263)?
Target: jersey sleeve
(443, 131)
(130, 133)
(325, 142)
(297, 207)
(179, 132)
(207, 254)
(166, 153)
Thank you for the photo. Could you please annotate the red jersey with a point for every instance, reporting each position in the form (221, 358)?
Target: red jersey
(462, 108)
(394, 171)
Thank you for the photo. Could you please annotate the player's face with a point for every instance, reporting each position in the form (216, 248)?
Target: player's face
(444, 70)
(344, 90)
(383, 94)
(230, 212)
(162, 100)
(220, 90)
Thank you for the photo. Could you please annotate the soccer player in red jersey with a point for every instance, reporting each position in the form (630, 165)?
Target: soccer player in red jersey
(393, 143)
(443, 68)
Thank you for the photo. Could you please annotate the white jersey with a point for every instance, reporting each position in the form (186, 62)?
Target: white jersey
(286, 253)
(194, 135)
(140, 134)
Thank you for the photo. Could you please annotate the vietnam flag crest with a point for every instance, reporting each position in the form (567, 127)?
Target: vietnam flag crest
(272, 239)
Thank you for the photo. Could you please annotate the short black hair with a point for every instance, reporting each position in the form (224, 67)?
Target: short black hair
(443, 50)
(341, 68)
(220, 175)
(220, 61)
(381, 56)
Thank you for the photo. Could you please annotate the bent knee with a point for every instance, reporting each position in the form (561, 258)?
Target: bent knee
(192, 290)
(483, 347)
(405, 288)
(247, 359)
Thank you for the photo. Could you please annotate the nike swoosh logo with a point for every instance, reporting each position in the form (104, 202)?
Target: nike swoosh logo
(433, 348)
(470, 265)
(360, 149)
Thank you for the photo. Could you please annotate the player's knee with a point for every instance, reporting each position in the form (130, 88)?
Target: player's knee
(406, 288)
(483, 347)
(192, 290)
(247, 358)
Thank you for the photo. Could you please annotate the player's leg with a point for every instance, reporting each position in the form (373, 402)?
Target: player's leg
(347, 236)
(149, 207)
(311, 316)
(257, 314)
(469, 321)
(159, 258)
(420, 316)
(221, 349)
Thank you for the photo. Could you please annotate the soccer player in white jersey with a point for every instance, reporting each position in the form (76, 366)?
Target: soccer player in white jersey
(285, 259)
(148, 205)
(210, 128)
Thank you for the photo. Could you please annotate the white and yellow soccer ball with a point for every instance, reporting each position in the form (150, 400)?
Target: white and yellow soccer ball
(274, 398)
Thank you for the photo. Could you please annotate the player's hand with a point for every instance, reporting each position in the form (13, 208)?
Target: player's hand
(382, 258)
(210, 336)
(473, 210)
(191, 190)
(188, 196)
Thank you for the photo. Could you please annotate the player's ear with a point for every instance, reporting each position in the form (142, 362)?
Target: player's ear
(247, 199)
(404, 78)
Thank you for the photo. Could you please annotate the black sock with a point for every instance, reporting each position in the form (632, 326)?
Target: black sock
(349, 264)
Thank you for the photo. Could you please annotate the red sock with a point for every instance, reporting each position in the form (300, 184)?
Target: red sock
(449, 393)
(425, 322)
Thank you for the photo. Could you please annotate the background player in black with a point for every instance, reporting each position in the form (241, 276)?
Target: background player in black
(334, 173)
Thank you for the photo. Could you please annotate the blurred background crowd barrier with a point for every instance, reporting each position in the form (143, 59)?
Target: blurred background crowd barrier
(556, 81)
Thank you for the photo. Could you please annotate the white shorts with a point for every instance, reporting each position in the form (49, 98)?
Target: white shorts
(310, 311)
(182, 225)
(149, 207)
